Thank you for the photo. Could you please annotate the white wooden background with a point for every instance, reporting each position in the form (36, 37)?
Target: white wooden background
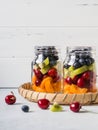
(26, 23)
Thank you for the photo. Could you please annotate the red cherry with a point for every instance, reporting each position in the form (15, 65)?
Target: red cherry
(75, 106)
(10, 99)
(75, 79)
(55, 79)
(38, 82)
(52, 72)
(68, 80)
(38, 74)
(80, 82)
(43, 103)
(87, 75)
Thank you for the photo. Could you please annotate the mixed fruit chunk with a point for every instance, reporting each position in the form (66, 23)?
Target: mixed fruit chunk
(46, 72)
(79, 72)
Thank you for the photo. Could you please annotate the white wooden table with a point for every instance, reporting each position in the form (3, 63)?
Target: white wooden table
(12, 117)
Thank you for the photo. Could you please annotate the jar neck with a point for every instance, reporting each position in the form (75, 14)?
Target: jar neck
(46, 50)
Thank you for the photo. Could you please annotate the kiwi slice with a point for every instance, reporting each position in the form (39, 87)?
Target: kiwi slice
(79, 71)
(92, 67)
(56, 108)
(45, 69)
(44, 63)
(66, 72)
(71, 68)
(41, 65)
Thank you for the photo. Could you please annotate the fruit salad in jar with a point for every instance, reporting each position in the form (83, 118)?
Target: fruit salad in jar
(79, 70)
(46, 70)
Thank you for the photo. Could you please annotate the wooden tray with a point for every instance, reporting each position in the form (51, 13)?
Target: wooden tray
(26, 91)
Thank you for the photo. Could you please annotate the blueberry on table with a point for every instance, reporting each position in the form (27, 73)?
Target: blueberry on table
(25, 108)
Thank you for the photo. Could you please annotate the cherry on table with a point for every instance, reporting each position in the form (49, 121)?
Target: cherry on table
(43, 103)
(10, 99)
(75, 106)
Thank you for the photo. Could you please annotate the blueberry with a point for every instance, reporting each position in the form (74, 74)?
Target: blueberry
(89, 61)
(25, 108)
(82, 61)
(66, 66)
(76, 65)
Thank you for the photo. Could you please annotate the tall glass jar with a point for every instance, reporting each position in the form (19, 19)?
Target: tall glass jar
(79, 70)
(46, 70)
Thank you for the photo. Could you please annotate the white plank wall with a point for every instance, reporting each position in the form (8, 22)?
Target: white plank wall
(26, 23)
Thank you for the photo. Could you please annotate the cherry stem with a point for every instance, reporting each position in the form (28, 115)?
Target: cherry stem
(12, 93)
(90, 111)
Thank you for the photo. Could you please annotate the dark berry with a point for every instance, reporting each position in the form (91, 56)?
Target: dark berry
(66, 66)
(43, 103)
(74, 80)
(86, 75)
(82, 61)
(38, 82)
(76, 65)
(10, 99)
(80, 82)
(25, 108)
(68, 80)
(38, 73)
(52, 72)
(75, 106)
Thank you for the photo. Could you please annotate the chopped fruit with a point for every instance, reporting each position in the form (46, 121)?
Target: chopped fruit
(78, 71)
(55, 79)
(56, 108)
(47, 85)
(71, 89)
(81, 82)
(10, 99)
(75, 106)
(25, 108)
(38, 82)
(66, 72)
(43, 103)
(68, 80)
(52, 72)
(74, 80)
(76, 65)
(86, 75)
(44, 63)
(38, 74)
(45, 69)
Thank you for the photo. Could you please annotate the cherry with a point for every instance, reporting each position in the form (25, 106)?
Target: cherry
(68, 80)
(38, 74)
(86, 75)
(43, 103)
(52, 72)
(10, 99)
(55, 79)
(75, 79)
(75, 106)
(38, 82)
(80, 82)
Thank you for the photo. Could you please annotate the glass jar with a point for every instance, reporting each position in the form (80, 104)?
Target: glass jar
(46, 70)
(79, 70)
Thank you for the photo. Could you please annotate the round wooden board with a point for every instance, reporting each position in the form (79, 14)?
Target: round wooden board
(26, 91)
